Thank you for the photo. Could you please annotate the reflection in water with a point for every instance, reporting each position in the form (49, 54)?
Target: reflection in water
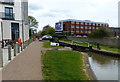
(104, 67)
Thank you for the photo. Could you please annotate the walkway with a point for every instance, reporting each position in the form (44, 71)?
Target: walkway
(26, 66)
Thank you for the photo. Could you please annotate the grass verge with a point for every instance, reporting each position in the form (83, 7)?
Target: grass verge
(63, 65)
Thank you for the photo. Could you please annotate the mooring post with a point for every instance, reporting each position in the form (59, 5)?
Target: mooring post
(9, 52)
(18, 47)
(24, 45)
(21, 48)
(14, 49)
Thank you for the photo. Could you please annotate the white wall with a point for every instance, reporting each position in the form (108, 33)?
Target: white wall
(17, 10)
(26, 32)
(0, 32)
(119, 14)
(6, 29)
(18, 19)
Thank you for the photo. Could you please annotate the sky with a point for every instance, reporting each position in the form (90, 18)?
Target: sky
(51, 11)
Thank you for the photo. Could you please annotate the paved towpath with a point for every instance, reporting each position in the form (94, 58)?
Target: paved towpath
(26, 66)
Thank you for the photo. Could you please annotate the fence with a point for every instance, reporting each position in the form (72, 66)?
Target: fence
(9, 52)
(104, 41)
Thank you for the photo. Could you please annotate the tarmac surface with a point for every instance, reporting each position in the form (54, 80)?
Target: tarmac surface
(26, 66)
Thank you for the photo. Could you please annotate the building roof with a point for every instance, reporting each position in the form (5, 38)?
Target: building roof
(87, 21)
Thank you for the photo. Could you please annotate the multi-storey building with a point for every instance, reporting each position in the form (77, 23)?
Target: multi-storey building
(119, 14)
(14, 20)
(79, 27)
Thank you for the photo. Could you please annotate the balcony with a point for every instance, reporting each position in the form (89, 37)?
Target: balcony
(7, 16)
(8, 2)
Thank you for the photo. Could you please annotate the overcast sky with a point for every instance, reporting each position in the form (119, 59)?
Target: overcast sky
(51, 11)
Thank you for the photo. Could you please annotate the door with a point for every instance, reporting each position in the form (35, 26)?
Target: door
(15, 31)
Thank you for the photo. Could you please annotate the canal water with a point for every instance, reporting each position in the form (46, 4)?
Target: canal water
(105, 67)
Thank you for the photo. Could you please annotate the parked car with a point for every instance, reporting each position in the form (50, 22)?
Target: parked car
(46, 37)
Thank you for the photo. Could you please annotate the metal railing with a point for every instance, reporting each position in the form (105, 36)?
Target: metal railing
(7, 16)
(10, 50)
(8, 2)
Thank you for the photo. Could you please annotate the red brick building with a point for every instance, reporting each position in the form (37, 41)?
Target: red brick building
(80, 27)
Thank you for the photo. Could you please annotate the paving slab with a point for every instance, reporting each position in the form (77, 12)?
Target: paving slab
(26, 66)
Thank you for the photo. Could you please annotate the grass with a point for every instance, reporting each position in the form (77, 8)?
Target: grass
(78, 43)
(104, 47)
(47, 44)
(63, 65)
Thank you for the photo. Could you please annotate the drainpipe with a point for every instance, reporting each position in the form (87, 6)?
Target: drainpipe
(22, 21)
(2, 32)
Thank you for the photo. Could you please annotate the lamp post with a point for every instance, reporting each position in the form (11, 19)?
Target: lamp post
(22, 7)
(2, 32)
(1, 37)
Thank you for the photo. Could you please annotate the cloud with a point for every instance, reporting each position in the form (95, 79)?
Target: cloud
(51, 11)
(35, 7)
(48, 15)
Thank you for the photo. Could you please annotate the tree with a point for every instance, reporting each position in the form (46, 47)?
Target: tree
(33, 24)
(48, 30)
(67, 33)
(100, 33)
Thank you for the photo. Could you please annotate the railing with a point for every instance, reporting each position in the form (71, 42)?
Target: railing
(10, 50)
(8, 2)
(7, 16)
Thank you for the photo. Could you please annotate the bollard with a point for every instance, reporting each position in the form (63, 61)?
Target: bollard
(24, 46)
(21, 48)
(14, 49)
(9, 52)
(18, 47)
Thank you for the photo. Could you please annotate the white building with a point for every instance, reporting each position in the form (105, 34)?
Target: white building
(14, 20)
(119, 14)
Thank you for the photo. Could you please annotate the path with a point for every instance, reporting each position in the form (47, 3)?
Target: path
(26, 66)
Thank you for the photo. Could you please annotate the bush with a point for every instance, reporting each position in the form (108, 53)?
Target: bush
(100, 33)
(67, 33)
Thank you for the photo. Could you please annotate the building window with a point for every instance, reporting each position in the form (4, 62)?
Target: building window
(15, 31)
(8, 13)
(77, 22)
(85, 27)
(96, 27)
(96, 24)
(82, 27)
(89, 31)
(77, 26)
(72, 31)
(82, 23)
(72, 22)
(81, 31)
(72, 26)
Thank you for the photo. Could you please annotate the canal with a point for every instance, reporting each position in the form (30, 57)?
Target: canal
(104, 67)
